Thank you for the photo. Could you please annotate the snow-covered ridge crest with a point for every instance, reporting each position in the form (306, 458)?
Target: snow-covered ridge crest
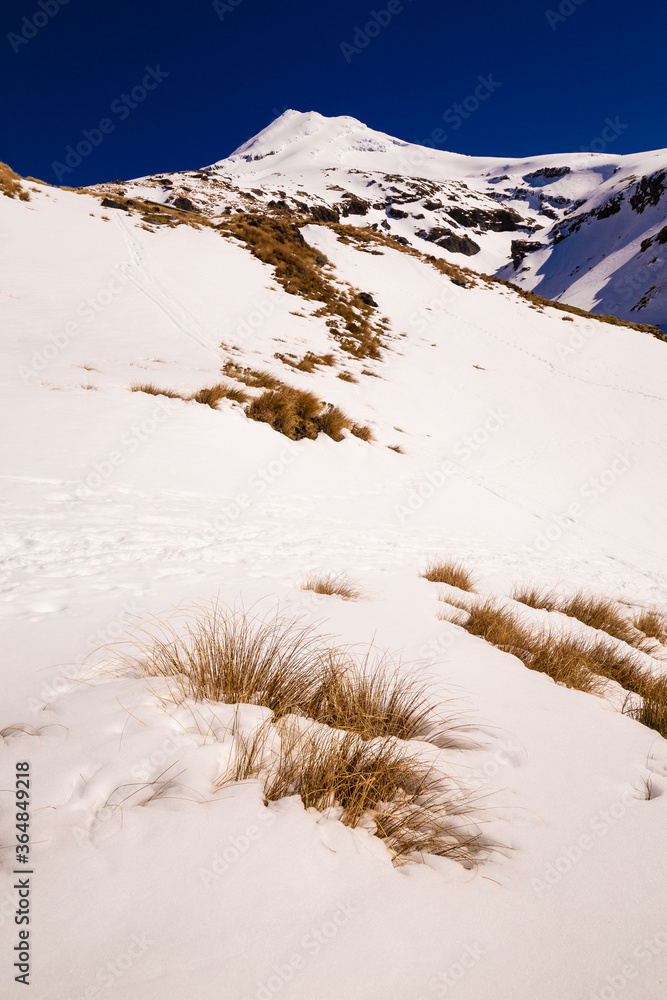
(591, 218)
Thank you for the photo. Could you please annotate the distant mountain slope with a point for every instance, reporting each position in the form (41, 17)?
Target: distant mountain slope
(586, 228)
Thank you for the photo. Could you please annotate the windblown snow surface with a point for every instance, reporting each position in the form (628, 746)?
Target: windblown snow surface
(532, 448)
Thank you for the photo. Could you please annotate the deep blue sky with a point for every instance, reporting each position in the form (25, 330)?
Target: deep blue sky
(229, 76)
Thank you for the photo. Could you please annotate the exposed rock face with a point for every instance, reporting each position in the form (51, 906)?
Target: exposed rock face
(520, 248)
(659, 238)
(448, 240)
(610, 207)
(546, 174)
(504, 220)
(649, 190)
(354, 207)
(184, 204)
(110, 203)
(321, 213)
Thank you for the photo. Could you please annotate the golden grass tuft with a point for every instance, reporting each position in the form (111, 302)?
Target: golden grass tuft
(652, 710)
(333, 422)
(338, 732)
(250, 377)
(10, 183)
(653, 624)
(220, 655)
(453, 573)
(229, 656)
(406, 802)
(332, 585)
(363, 432)
(298, 414)
(292, 412)
(602, 614)
(369, 698)
(598, 613)
(154, 390)
(536, 597)
(575, 661)
(212, 395)
(308, 362)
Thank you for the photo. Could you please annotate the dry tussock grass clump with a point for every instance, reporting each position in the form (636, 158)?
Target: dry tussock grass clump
(209, 396)
(154, 390)
(536, 597)
(369, 698)
(10, 184)
(298, 414)
(453, 573)
(229, 656)
(332, 585)
(250, 377)
(362, 431)
(596, 612)
(213, 394)
(308, 362)
(575, 661)
(333, 422)
(605, 615)
(652, 710)
(338, 731)
(581, 662)
(653, 624)
(290, 411)
(376, 784)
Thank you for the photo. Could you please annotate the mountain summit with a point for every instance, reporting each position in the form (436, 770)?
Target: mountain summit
(583, 228)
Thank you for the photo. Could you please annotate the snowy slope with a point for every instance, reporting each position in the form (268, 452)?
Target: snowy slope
(533, 448)
(591, 212)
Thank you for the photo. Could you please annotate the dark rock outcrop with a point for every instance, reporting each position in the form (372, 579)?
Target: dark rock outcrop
(321, 213)
(109, 203)
(504, 220)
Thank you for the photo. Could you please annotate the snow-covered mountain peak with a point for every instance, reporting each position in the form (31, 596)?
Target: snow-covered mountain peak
(313, 138)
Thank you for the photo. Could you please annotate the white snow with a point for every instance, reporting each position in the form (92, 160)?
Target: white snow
(533, 449)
